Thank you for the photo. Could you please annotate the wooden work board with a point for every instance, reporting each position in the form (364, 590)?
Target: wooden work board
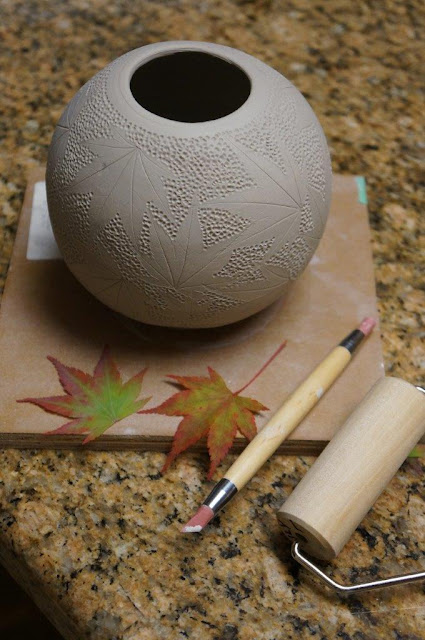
(45, 311)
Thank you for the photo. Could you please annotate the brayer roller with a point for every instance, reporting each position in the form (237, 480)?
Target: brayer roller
(336, 493)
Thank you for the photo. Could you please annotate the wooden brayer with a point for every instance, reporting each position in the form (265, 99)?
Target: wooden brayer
(336, 493)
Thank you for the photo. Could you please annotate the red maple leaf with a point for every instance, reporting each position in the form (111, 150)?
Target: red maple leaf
(93, 402)
(210, 409)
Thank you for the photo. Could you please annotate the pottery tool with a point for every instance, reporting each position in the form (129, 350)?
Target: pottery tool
(284, 421)
(336, 493)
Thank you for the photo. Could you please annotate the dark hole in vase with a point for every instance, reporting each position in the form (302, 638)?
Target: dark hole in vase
(190, 86)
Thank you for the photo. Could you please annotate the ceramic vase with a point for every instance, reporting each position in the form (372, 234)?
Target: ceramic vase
(188, 183)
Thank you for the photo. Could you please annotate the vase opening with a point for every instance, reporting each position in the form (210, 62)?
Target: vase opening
(190, 86)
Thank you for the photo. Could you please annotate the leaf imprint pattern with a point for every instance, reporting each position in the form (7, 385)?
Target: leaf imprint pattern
(187, 230)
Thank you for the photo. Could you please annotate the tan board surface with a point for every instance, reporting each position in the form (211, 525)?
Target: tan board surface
(45, 311)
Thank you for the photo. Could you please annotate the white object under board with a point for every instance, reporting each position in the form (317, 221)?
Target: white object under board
(41, 241)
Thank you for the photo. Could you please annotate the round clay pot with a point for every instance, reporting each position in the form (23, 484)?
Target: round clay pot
(187, 184)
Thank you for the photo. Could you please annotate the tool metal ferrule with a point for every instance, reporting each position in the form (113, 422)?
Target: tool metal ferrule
(352, 341)
(223, 491)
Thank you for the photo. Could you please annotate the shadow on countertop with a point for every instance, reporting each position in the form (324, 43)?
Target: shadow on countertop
(19, 617)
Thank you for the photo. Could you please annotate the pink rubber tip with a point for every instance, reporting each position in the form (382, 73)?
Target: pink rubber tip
(367, 325)
(199, 520)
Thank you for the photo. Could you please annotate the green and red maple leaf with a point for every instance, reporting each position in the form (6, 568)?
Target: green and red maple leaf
(93, 403)
(210, 409)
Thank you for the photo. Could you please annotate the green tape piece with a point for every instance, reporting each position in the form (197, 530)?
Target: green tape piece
(361, 189)
(417, 452)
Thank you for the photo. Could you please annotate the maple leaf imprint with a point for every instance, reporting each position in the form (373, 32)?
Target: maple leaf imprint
(93, 402)
(67, 120)
(209, 408)
(196, 268)
(127, 178)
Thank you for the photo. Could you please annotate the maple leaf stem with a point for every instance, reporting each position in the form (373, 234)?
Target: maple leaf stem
(265, 365)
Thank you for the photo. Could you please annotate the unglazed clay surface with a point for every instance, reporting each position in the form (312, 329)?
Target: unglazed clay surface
(187, 224)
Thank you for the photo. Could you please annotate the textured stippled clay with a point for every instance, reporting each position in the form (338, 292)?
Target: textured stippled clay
(192, 210)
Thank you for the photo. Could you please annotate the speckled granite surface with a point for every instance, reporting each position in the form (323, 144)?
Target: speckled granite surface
(94, 536)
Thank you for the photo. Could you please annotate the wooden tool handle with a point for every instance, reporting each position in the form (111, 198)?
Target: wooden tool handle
(290, 414)
(336, 493)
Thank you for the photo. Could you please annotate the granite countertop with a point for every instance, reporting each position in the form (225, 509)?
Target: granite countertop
(94, 536)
